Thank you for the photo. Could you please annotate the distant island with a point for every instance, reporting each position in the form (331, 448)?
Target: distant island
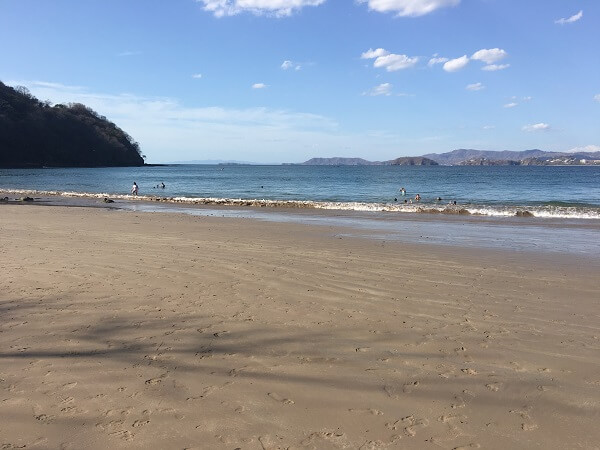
(470, 157)
(403, 161)
(535, 157)
(36, 134)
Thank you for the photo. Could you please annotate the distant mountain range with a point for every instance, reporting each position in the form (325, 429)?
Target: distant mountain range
(506, 157)
(403, 161)
(471, 157)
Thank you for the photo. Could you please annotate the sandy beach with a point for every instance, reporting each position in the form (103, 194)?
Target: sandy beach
(122, 329)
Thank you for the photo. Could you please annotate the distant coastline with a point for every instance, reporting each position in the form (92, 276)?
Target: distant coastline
(459, 157)
(471, 157)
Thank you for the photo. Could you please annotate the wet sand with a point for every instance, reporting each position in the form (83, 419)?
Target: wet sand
(122, 329)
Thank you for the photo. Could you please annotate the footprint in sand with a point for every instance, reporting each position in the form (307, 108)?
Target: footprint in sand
(374, 445)
(220, 333)
(410, 387)
(391, 391)
(375, 412)
(140, 423)
(452, 420)
(469, 371)
(280, 399)
(494, 387)
(123, 434)
(460, 402)
(235, 372)
(67, 400)
(529, 424)
(118, 412)
(157, 380)
(71, 410)
(108, 425)
(317, 440)
(45, 418)
(409, 424)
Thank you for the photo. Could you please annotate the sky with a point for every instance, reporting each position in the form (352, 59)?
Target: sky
(272, 81)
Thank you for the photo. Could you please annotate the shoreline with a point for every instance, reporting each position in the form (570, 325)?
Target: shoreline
(122, 328)
(549, 211)
(575, 237)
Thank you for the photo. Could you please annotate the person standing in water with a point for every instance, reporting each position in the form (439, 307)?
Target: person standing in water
(134, 189)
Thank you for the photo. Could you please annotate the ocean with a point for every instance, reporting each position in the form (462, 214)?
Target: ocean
(571, 192)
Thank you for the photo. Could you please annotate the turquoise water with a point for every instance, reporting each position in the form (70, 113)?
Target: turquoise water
(548, 191)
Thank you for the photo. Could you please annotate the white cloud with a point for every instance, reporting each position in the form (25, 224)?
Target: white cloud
(495, 67)
(390, 61)
(197, 75)
(371, 54)
(393, 62)
(511, 105)
(489, 127)
(259, 86)
(454, 65)
(287, 64)
(276, 8)
(597, 97)
(527, 99)
(382, 89)
(489, 55)
(573, 18)
(536, 127)
(475, 87)
(436, 60)
(586, 148)
(408, 8)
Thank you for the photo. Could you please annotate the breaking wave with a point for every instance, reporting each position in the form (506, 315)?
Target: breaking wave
(548, 211)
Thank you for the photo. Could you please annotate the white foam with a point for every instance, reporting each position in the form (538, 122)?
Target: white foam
(548, 212)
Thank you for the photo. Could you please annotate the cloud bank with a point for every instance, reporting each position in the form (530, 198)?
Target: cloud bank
(276, 8)
(408, 8)
(170, 131)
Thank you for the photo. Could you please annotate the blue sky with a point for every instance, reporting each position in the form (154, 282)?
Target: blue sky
(286, 80)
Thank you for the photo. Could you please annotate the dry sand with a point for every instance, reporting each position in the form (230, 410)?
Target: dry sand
(128, 330)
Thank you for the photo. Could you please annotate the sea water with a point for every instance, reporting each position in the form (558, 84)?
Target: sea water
(567, 192)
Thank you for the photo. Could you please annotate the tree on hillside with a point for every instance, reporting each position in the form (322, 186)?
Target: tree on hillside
(36, 134)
